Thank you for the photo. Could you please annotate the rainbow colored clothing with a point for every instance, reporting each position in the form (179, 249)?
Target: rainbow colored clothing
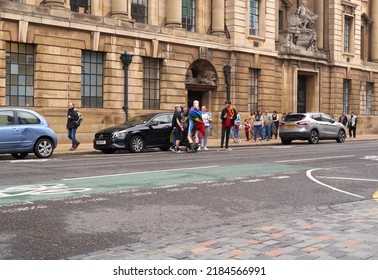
(196, 116)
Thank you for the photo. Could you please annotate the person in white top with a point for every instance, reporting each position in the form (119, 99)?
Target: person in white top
(206, 117)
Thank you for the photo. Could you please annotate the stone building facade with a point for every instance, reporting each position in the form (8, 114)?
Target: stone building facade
(315, 55)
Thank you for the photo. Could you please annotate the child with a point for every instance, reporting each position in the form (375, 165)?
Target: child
(247, 129)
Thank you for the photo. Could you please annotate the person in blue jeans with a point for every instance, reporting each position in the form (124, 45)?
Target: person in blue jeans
(258, 126)
(72, 117)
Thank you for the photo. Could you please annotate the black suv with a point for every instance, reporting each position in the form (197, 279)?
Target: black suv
(136, 134)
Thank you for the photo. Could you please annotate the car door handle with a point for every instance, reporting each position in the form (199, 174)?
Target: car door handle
(167, 126)
(14, 129)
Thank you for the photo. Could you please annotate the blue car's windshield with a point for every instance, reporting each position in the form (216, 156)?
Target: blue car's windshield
(138, 120)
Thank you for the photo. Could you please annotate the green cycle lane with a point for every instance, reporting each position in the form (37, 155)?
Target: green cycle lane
(138, 180)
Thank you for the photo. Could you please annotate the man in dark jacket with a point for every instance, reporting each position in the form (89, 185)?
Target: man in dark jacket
(72, 117)
(228, 117)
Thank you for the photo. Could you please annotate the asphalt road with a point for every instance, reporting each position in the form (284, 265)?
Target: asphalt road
(71, 205)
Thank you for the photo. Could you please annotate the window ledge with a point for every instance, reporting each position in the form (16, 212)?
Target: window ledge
(256, 38)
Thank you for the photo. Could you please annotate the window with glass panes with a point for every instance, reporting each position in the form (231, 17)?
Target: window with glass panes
(139, 10)
(347, 33)
(254, 17)
(151, 83)
(92, 79)
(19, 74)
(369, 94)
(81, 6)
(189, 15)
(253, 90)
(346, 90)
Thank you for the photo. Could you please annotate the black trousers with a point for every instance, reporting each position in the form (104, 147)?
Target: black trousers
(352, 130)
(225, 132)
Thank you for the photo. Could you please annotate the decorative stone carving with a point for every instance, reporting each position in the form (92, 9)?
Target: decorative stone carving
(300, 38)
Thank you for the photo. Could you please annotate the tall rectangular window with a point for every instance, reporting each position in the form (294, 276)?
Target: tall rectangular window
(254, 17)
(346, 91)
(189, 15)
(151, 83)
(91, 79)
(347, 33)
(253, 90)
(369, 94)
(81, 6)
(19, 75)
(139, 10)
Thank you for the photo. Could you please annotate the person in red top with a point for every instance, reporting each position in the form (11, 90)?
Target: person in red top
(228, 117)
(247, 129)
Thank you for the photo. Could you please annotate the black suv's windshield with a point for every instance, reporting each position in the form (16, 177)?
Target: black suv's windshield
(138, 120)
(294, 117)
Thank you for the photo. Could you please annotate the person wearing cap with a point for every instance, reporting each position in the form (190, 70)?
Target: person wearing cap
(228, 117)
(177, 128)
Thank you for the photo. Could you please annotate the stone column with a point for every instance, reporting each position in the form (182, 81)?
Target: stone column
(120, 9)
(319, 22)
(53, 3)
(217, 17)
(174, 13)
(374, 31)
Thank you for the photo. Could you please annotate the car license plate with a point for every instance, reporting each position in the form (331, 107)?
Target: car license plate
(291, 126)
(101, 142)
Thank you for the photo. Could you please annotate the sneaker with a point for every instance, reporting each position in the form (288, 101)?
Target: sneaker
(72, 149)
(172, 149)
(199, 149)
(221, 149)
(239, 141)
(177, 151)
(205, 148)
(228, 149)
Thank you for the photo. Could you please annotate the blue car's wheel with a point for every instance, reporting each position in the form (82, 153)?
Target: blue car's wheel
(44, 148)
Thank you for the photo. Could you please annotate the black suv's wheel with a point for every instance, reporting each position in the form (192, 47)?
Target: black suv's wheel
(341, 136)
(19, 155)
(43, 148)
(314, 137)
(136, 144)
(108, 151)
(286, 141)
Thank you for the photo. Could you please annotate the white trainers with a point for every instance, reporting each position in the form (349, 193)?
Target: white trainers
(205, 148)
(199, 149)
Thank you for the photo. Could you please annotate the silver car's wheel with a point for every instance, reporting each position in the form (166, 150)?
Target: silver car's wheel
(314, 137)
(341, 136)
(43, 148)
(136, 144)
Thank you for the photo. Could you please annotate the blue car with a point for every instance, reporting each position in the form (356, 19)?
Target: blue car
(24, 131)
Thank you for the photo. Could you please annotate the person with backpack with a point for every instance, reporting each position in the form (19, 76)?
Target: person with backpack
(73, 122)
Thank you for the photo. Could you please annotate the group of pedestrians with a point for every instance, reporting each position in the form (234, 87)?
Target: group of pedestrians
(351, 123)
(191, 127)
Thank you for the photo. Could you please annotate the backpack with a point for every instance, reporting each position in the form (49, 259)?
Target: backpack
(79, 120)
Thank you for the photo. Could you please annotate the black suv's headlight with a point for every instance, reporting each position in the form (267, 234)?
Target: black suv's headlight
(119, 135)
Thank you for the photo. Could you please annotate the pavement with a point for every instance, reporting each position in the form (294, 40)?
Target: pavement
(344, 231)
(213, 143)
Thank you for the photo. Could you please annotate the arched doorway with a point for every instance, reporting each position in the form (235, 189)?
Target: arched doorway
(201, 80)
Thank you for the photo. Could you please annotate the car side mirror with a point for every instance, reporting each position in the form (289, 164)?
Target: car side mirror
(153, 123)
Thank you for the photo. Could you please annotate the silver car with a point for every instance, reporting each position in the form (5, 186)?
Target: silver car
(311, 127)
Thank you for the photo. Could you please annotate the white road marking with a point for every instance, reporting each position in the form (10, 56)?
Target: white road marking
(28, 160)
(137, 173)
(349, 179)
(281, 177)
(253, 181)
(309, 175)
(310, 159)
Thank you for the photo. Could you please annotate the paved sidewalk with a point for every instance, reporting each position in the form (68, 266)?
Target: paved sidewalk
(348, 232)
(213, 143)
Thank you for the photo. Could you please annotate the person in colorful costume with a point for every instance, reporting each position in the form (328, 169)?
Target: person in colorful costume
(196, 126)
